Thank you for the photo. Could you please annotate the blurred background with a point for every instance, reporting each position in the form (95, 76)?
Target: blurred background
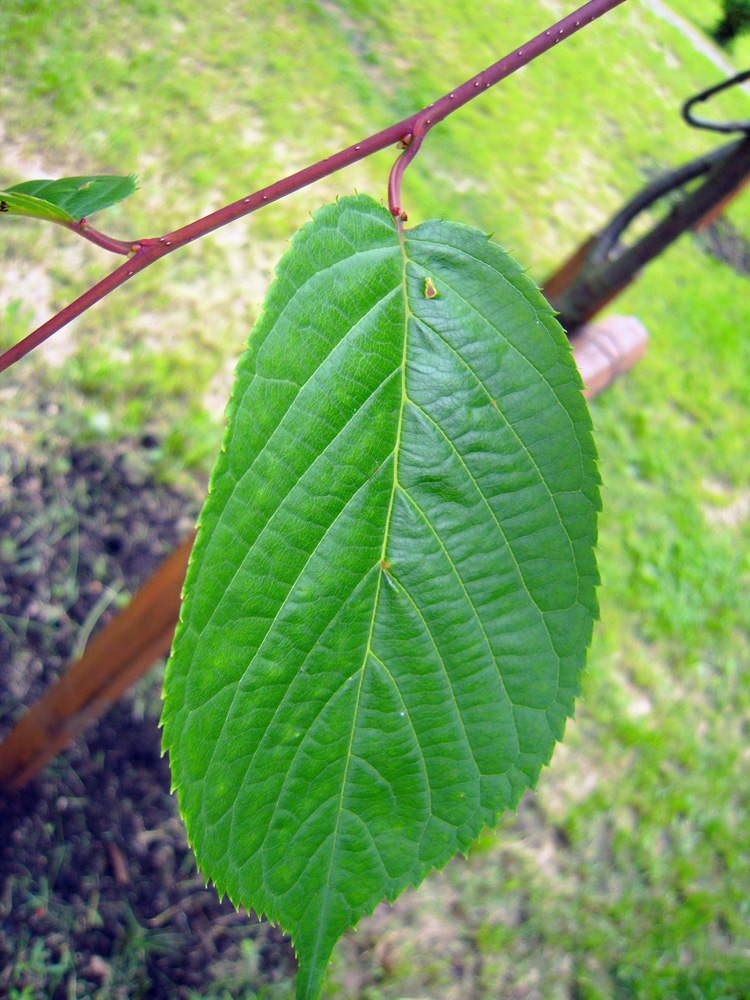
(627, 875)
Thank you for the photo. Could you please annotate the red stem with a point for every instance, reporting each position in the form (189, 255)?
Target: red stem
(88, 232)
(149, 250)
(397, 172)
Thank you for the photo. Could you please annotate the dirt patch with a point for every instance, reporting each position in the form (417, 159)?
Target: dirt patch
(99, 894)
(78, 532)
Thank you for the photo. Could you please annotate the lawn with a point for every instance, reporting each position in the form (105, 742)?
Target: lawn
(627, 875)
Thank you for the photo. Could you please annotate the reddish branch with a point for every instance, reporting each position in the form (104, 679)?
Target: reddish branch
(101, 239)
(146, 251)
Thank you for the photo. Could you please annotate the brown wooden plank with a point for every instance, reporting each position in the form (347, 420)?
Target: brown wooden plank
(570, 268)
(718, 210)
(117, 656)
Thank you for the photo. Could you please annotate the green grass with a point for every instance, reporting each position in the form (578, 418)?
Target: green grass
(704, 15)
(628, 875)
(204, 111)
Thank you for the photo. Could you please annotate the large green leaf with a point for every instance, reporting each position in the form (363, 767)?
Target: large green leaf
(393, 585)
(66, 200)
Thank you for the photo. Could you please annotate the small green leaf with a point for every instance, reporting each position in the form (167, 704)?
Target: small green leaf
(393, 585)
(66, 200)
(23, 204)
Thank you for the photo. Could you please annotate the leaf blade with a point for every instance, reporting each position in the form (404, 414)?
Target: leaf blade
(68, 199)
(17, 203)
(387, 663)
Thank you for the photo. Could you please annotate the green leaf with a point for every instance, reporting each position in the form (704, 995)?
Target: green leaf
(393, 585)
(23, 204)
(66, 200)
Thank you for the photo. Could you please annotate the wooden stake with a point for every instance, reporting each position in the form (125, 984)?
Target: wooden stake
(121, 653)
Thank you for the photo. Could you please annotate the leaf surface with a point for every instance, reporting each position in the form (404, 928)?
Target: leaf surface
(393, 585)
(66, 200)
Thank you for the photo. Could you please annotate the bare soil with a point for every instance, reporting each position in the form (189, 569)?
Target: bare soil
(99, 893)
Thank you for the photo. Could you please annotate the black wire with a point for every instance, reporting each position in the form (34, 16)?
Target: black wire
(675, 179)
(657, 189)
(740, 126)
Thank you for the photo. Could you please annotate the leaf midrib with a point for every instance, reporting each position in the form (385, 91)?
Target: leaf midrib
(368, 648)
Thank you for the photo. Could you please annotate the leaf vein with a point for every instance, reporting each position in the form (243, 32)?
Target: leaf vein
(248, 545)
(461, 582)
(489, 323)
(526, 450)
(402, 589)
(499, 527)
(408, 718)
